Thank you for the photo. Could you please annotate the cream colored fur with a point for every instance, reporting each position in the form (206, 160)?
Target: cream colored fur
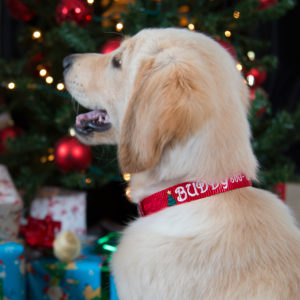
(179, 112)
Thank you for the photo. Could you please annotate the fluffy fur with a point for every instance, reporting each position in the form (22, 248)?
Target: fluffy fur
(178, 108)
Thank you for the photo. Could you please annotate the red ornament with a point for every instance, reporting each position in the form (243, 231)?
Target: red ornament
(111, 45)
(8, 133)
(76, 11)
(266, 3)
(19, 10)
(256, 77)
(70, 154)
(226, 45)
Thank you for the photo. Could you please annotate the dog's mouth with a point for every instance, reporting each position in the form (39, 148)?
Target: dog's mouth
(96, 120)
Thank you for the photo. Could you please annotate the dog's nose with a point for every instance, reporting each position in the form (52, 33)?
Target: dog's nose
(68, 61)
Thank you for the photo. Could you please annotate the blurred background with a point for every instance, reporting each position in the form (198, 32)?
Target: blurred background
(37, 143)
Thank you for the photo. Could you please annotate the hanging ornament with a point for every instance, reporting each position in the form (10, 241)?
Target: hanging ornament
(111, 45)
(7, 133)
(256, 77)
(76, 11)
(266, 3)
(228, 46)
(70, 154)
(19, 10)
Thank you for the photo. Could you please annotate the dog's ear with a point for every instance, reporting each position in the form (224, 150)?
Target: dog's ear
(169, 102)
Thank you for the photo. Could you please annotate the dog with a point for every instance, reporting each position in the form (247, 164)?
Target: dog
(176, 106)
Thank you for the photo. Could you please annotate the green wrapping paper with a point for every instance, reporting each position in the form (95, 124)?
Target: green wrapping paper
(106, 246)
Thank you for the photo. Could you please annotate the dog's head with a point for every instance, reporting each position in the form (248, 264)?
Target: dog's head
(158, 88)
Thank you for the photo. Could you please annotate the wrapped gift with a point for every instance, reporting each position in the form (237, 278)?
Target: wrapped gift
(50, 279)
(65, 206)
(12, 271)
(10, 207)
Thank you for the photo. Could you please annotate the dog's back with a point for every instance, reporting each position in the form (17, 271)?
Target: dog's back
(239, 245)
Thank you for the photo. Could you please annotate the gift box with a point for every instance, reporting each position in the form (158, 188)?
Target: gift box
(50, 279)
(10, 207)
(65, 206)
(12, 271)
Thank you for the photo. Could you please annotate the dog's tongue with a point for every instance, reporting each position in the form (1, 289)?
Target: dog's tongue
(96, 120)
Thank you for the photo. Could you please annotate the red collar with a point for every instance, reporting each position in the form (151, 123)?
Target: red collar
(189, 191)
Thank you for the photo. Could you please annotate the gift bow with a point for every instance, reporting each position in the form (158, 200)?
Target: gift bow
(40, 232)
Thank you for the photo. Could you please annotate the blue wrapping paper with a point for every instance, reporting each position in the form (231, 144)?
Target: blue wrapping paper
(49, 279)
(12, 271)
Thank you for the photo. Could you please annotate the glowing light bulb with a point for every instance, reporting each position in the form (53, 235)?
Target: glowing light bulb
(127, 192)
(49, 79)
(236, 14)
(90, 1)
(11, 85)
(51, 157)
(126, 176)
(250, 80)
(88, 180)
(191, 26)
(36, 34)
(43, 159)
(227, 33)
(239, 66)
(119, 26)
(72, 131)
(251, 55)
(60, 86)
(43, 72)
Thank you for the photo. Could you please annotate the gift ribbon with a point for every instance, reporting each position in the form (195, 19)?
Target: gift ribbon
(106, 247)
(40, 232)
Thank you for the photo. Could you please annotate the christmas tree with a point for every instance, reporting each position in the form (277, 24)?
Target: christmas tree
(39, 148)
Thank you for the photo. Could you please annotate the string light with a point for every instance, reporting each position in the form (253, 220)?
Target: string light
(239, 66)
(191, 26)
(227, 33)
(72, 131)
(90, 1)
(251, 55)
(60, 86)
(49, 79)
(250, 80)
(51, 157)
(236, 14)
(127, 192)
(126, 176)
(11, 85)
(43, 159)
(119, 26)
(43, 72)
(36, 34)
(88, 180)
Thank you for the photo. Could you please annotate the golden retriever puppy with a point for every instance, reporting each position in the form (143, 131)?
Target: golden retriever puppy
(176, 106)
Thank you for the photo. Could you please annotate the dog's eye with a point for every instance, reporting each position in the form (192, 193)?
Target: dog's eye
(116, 62)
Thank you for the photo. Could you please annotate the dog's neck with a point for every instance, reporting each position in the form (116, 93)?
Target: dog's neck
(199, 157)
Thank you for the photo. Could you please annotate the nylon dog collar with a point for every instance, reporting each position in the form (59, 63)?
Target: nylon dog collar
(189, 191)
